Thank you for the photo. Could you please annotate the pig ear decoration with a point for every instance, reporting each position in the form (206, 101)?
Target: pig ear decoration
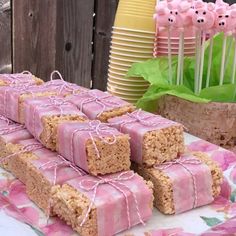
(184, 6)
(170, 6)
(211, 6)
(161, 11)
(199, 4)
(220, 10)
(233, 13)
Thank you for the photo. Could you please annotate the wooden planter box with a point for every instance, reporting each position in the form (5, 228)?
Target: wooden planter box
(214, 122)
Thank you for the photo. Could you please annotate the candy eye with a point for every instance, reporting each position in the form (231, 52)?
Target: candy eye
(204, 13)
(171, 12)
(227, 16)
(176, 13)
(196, 12)
(220, 16)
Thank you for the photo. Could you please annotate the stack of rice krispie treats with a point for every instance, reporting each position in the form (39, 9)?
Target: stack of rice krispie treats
(89, 152)
(74, 147)
(157, 152)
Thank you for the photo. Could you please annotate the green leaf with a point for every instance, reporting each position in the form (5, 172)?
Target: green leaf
(211, 221)
(155, 71)
(233, 196)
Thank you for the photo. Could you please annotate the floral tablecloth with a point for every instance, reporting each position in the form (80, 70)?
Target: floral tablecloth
(19, 216)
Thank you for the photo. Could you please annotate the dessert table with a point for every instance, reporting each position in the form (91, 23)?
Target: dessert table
(19, 215)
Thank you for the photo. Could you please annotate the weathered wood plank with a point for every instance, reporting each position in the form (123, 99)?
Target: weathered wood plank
(5, 36)
(105, 13)
(74, 40)
(34, 28)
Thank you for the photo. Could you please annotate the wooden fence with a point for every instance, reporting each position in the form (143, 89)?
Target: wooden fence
(72, 36)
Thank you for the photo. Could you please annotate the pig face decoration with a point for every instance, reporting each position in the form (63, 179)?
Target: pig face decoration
(225, 20)
(203, 16)
(179, 14)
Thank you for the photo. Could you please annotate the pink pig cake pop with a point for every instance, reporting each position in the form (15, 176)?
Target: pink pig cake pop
(203, 16)
(179, 15)
(225, 20)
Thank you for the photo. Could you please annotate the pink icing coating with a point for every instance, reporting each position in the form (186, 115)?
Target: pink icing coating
(72, 138)
(119, 199)
(195, 176)
(54, 167)
(94, 102)
(137, 124)
(36, 108)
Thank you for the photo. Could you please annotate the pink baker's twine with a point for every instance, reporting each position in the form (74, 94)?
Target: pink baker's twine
(11, 128)
(14, 78)
(54, 102)
(28, 148)
(64, 86)
(22, 88)
(136, 117)
(183, 162)
(97, 128)
(55, 164)
(92, 185)
(5, 119)
(99, 100)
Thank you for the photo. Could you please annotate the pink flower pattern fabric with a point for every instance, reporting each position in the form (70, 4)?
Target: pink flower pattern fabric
(15, 203)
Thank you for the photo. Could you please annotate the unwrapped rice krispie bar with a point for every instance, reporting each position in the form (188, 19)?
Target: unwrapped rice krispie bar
(154, 139)
(100, 105)
(42, 116)
(94, 146)
(19, 78)
(103, 206)
(191, 181)
(10, 132)
(12, 98)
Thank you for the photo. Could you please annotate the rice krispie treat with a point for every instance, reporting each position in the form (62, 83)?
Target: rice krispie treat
(10, 133)
(99, 206)
(12, 98)
(19, 78)
(42, 116)
(18, 151)
(100, 105)
(44, 170)
(154, 139)
(192, 181)
(94, 146)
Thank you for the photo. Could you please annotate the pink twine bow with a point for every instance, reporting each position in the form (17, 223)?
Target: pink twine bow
(94, 128)
(102, 101)
(63, 86)
(28, 148)
(54, 102)
(16, 78)
(117, 183)
(183, 162)
(136, 117)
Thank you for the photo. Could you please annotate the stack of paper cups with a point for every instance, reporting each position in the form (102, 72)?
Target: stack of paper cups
(132, 41)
